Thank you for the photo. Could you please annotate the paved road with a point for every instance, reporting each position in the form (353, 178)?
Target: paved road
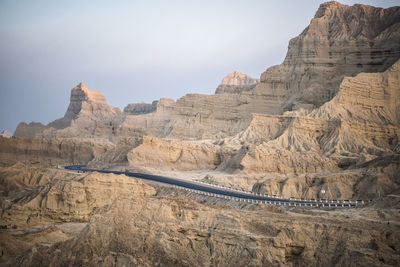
(222, 191)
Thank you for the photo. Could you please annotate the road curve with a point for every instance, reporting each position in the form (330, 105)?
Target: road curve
(222, 191)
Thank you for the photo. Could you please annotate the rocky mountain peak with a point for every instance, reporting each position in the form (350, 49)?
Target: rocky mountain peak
(81, 93)
(326, 8)
(238, 78)
(236, 82)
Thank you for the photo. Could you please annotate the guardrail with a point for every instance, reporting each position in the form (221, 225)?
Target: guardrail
(267, 202)
(228, 193)
(326, 202)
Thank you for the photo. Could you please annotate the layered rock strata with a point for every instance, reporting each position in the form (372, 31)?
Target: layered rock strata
(340, 41)
(50, 151)
(125, 222)
(236, 83)
(140, 108)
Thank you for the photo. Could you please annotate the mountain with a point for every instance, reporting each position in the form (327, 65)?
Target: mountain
(340, 41)
(235, 83)
(323, 124)
(87, 111)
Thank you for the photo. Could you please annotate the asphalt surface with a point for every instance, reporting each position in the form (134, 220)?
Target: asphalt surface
(212, 189)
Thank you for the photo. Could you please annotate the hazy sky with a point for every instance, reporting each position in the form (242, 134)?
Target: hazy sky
(134, 51)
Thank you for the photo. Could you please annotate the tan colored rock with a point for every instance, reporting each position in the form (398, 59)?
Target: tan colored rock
(359, 124)
(174, 230)
(154, 123)
(337, 43)
(235, 83)
(140, 108)
(165, 154)
(72, 200)
(50, 151)
(29, 130)
(340, 41)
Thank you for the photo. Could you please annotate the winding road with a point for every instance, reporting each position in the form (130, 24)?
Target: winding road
(224, 192)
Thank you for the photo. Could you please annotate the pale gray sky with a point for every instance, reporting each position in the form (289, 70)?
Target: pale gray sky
(134, 51)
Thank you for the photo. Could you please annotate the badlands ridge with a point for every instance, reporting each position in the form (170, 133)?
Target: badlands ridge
(323, 124)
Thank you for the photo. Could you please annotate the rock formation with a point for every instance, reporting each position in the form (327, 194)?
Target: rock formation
(50, 151)
(337, 43)
(154, 123)
(140, 108)
(86, 104)
(103, 219)
(323, 124)
(29, 130)
(340, 41)
(235, 83)
(6, 134)
(87, 111)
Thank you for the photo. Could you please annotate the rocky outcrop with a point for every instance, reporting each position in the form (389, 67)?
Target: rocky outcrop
(50, 151)
(72, 200)
(154, 123)
(88, 106)
(29, 130)
(174, 154)
(235, 83)
(358, 125)
(6, 134)
(87, 113)
(143, 229)
(140, 108)
(340, 41)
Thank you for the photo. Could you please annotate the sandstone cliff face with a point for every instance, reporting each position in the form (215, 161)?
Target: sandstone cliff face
(338, 141)
(153, 123)
(29, 130)
(86, 103)
(49, 151)
(146, 230)
(235, 83)
(140, 108)
(359, 124)
(74, 199)
(340, 41)
(165, 154)
(87, 111)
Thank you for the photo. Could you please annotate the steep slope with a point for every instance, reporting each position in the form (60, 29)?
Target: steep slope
(132, 225)
(349, 144)
(87, 111)
(340, 41)
(50, 151)
(359, 124)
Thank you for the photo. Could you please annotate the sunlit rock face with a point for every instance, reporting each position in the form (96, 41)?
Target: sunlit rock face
(140, 108)
(236, 83)
(86, 103)
(340, 41)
